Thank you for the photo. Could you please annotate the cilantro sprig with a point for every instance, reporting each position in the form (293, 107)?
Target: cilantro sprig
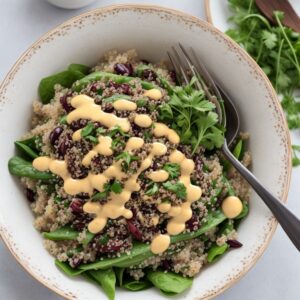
(173, 169)
(275, 48)
(178, 188)
(192, 116)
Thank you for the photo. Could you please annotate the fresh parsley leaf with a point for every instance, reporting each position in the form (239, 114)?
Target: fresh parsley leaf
(173, 169)
(116, 143)
(152, 189)
(87, 130)
(116, 187)
(117, 129)
(178, 188)
(296, 152)
(93, 139)
(101, 130)
(103, 194)
(269, 38)
(63, 120)
(127, 159)
(192, 117)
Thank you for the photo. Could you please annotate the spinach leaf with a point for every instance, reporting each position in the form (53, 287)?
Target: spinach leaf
(19, 167)
(67, 269)
(26, 150)
(119, 274)
(137, 285)
(215, 251)
(61, 234)
(80, 68)
(169, 283)
(107, 279)
(64, 78)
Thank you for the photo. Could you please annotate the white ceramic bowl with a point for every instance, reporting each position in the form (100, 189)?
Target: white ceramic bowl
(71, 4)
(152, 31)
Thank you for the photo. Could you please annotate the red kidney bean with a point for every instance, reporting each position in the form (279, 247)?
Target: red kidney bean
(234, 244)
(64, 145)
(78, 124)
(30, 195)
(64, 102)
(76, 206)
(133, 229)
(149, 75)
(123, 69)
(55, 134)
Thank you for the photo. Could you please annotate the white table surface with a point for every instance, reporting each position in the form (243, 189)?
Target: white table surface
(275, 276)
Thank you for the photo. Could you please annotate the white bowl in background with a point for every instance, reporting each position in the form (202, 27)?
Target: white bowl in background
(152, 31)
(71, 4)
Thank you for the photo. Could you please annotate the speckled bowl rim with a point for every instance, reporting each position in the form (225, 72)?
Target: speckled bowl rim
(193, 21)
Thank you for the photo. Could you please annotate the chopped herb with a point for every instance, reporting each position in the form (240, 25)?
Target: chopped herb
(117, 142)
(152, 189)
(141, 102)
(127, 159)
(93, 139)
(173, 169)
(63, 120)
(100, 130)
(103, 194)
(87, 130)
(147, 135)
(117, 129)
(178, 188)
(116, 187)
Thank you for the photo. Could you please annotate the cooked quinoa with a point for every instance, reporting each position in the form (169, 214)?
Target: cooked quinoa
(54, 208)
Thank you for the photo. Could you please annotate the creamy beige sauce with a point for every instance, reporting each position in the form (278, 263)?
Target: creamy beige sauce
(154, 94)
(143, 121)
(158, 176)
(232, 206)
(77, 135)
(181, 214)
(123, 104)
(85, 108)
(115, 206)
(161, 130)
(103, 147)
(160, 243)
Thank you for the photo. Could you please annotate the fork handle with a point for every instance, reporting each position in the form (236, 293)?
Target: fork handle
(288, 221)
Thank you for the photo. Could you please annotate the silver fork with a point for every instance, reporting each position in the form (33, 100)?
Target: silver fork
(187, 64)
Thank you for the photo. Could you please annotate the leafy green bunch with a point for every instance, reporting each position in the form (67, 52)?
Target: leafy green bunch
(192, 116)
(275, 48)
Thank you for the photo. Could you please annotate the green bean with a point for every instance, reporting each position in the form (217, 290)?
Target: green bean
(137, 285)
(65, 78)
(65, 267)
(215, 251)
(141, 251)
(61, 234)
(19, 167)
(116, 97)
(96, 76)
(79, 67)
(107, 280)
(169, 283)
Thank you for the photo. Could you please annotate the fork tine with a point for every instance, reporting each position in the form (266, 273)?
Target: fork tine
(175, 66)
(200, 84)
(179, 63)
(205, 74)
(199, 69)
